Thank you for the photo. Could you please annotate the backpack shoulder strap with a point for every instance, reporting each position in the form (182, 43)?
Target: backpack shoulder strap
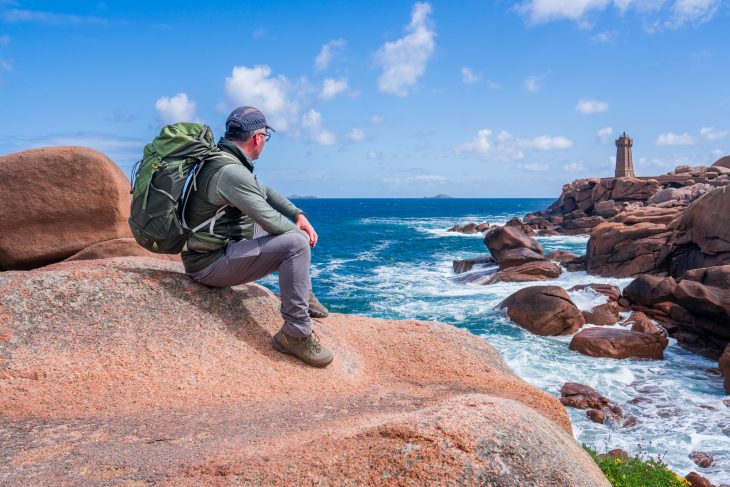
(218, 163)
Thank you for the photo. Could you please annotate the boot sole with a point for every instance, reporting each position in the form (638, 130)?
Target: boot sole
(280, 348)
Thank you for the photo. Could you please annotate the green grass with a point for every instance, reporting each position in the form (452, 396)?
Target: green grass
(636, 471)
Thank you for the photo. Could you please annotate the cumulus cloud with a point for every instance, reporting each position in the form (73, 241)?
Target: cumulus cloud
(469, 77)
(574, 167)
(327, 53)
(507, 147)
(587, 107)
(605, 134)
(692, 12)
(374, 155)
(356, 135)
(404, 60)
(427, 179)
(539, 11)
(674, 139)
(176, 109)
(709, 133)
(534, 167)
(312, 121)
(16, 15)
(332, 87)
(533, 83)
(272, 95)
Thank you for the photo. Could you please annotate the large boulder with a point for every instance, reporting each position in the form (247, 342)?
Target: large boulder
(500, 239)
(517, 257)
(541, 270)
(614, 343)
(724, 365)
(57, 201)
(544, 310)
(603, 314)
(119, 247)
(125, 371)
(625, 189)
(624, 250)
(702, 237)
(722, 162)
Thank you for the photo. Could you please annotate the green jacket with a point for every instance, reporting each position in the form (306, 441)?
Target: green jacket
(222, 181)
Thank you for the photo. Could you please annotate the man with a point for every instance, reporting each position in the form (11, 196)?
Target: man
(259, 232)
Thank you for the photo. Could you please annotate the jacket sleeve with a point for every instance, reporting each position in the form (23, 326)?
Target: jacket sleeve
(240, 189)
(282, 204)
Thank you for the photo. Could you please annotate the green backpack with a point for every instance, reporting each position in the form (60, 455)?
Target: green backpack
(162, 182)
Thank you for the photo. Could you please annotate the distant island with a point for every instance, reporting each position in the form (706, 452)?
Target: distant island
(439, 197)
(300, 197)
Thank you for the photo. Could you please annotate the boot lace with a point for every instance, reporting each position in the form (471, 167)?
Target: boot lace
(312, 343)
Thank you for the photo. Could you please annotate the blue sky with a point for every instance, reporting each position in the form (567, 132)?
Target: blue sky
(381, 99)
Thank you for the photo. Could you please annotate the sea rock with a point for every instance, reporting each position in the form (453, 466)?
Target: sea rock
(501, 239)
(638, 321)
(722, 162)
(134, 373)
(468, 229)
(118, 247)
(622, 250)
(543, 310)
(517, 257)
(465, 265)
(697, 480)
(682, 196)
(603, 314)
(702, 459)
(56, 202)
(702, 237)
(532, 271)
(576, 265)
(606, 209)
(561, 256)
(581, 396)
(649, 214)
(614, 343)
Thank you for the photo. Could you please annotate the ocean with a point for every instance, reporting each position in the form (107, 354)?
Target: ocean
(392, 258)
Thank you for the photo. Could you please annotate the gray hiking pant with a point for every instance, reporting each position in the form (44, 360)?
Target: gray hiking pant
(249, 260)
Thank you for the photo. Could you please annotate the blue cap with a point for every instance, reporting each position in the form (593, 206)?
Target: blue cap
(247, 119)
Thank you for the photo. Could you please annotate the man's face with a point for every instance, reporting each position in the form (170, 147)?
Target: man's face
(259, 143)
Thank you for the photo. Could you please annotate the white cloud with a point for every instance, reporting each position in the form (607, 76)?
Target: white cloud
(4, 40)
(373, 155)
(176, 109)
(20, 15)
(535, 167)
(427, 179)
(312, 121)
(376, 120)
(538, 11)
(605, 134)
(692, 12)
(507, 147)
(356, 135)
(404, 60)
(608, 36)
(675, 139)
(587, 107)
(574, 167)
(327, 52)
(709, 133)
(533, 83)
(256, 87)
(332, 87)
(469, 77)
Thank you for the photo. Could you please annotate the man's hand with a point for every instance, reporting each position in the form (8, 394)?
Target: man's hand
(304, 225)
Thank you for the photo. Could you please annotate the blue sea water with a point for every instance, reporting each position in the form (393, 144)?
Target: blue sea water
(391, 258)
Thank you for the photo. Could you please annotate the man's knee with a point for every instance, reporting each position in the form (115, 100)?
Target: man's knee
(297, 243)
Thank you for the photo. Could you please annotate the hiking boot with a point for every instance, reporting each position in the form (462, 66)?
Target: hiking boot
(316, 309)
(308, 349)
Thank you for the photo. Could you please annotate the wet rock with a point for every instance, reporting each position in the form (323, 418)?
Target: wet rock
(561, 256)
(500, 239)
(544, 310)
(581, 396)
(638, 321)
(56, 202)
(724, 366)
(614, 343)
(697, 480)
(702, 459)
(603, 314)
(468, 229)
(517, 257)
(466, 265)
(532, 271)
(576, 265)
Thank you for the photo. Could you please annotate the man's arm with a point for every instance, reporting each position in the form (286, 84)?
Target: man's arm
(281, 203)
(237, 186)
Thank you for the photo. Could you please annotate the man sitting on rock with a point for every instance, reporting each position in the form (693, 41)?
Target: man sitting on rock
(260, 232)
